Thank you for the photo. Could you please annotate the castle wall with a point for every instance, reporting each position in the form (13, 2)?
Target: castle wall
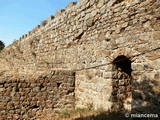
(88, 34)
(38, 96)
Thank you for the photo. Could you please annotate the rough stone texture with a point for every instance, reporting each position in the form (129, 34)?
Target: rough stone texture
(121, 92)
(89, 34)
(38, 96)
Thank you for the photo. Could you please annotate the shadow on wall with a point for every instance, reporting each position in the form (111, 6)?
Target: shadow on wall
(121, 84)
(146, 96)
(145, 99)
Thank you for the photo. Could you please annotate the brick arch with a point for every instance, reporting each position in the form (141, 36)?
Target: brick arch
(129, 53)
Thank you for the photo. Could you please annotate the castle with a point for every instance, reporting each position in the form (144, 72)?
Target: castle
(103, 53)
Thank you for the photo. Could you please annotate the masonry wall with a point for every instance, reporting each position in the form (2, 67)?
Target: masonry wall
(88, 34)
(36, 96)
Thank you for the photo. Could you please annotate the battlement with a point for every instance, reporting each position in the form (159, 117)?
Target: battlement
(51, 20)
(73, 9)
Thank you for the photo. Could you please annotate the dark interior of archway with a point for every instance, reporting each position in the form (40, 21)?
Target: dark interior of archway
(123, 63)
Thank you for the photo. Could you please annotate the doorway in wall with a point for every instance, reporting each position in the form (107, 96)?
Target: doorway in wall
(121, 84)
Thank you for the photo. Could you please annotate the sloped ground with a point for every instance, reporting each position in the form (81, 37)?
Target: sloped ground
(89, 114)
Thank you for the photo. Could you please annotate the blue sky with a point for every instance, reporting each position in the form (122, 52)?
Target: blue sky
(17, 17)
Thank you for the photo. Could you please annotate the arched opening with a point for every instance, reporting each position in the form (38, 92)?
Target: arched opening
(123, 64)
(121, 83)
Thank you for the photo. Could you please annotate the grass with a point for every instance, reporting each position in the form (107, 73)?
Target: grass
(78, 111)
(90, 114)
(65, 114)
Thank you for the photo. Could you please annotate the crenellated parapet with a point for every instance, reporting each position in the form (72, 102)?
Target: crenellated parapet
(74, 8)
(48, 21)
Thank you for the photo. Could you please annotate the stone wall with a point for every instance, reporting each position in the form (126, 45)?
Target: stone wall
(36, 96)
(89, 34)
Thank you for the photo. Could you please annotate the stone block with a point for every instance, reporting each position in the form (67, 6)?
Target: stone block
(137, 66)
(22, 36)
(110, 3)
(25, 35)
(43, 23)
(53, 84)
(80, 89)
(156, 64)
(156, 35)
(107, 75)
(7, 94)
(15, 116)
(121, 82)
(59, 12)
(70, 5)
(99, 52)
(121, 89)
(115, 83)
(101, 36)
(99, 88)
(107, 36)
(100, 3)
(128, 88)
(2, 89)
(81, 78)
(50, 18)
(96, 17)
(114, 98)
(89, 21)
(135, 75)
(121, 97)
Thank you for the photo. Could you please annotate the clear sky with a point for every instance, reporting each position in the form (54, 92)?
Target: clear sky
(17, 17)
